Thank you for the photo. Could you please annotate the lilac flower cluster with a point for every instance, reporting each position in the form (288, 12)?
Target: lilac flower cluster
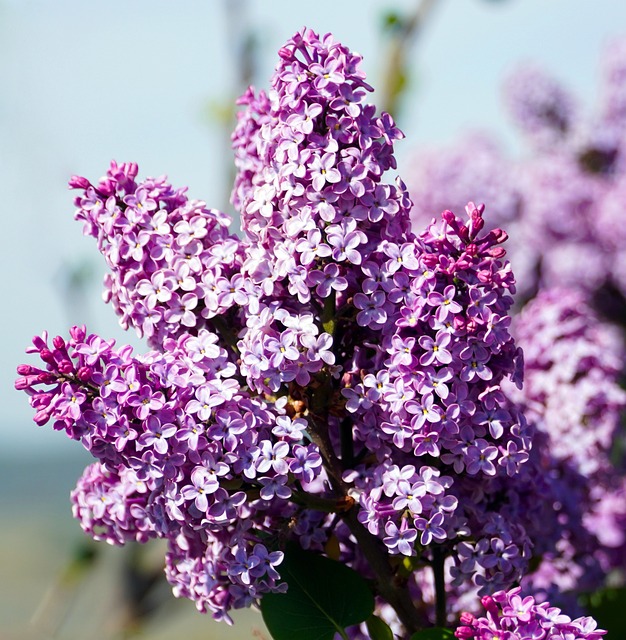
(185, 453)
(112, 506)
(432, 391)
(310, 157)
(509, 616)
(573, 363)
(563, 202)
(171, 258)
(328, 378)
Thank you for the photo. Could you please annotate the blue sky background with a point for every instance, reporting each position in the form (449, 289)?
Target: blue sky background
(82, 82)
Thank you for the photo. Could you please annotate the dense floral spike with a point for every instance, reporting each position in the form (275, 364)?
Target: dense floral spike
(327, 379)
(432, 390)
(172, 260)
(186, 450)
(573, 363)
(311, 155)
(510, 616)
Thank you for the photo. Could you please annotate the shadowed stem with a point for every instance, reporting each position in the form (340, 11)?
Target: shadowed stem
(387, 585)
(440, 586)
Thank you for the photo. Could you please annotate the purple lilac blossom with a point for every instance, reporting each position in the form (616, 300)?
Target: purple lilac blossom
(508, 615)
(171, 259)
(330, 357)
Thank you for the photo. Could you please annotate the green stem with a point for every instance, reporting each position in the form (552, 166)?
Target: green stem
(397, 595)
(328, 505)
(387, 584)
(343, 634)
(347, 443)
(329, 321)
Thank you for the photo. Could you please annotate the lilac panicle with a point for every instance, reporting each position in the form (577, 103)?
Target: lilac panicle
(508, 615)
(310, 157)
(171, 259)
(330, 361)
(573, 397)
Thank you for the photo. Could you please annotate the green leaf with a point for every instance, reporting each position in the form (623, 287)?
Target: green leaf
(323, 598)
(607, 608)
(434, 633)
(378, 629)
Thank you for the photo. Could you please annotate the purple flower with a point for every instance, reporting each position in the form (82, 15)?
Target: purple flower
(344, 238)
(372, 308)
(156, 435)
(445, 303)
(274, 487)
(327, 280)
(400, 539)
(306, 463)
(435, 350)
(431, 529)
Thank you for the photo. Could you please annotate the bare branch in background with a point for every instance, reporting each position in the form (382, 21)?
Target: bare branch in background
(243, 47)
(403, 31)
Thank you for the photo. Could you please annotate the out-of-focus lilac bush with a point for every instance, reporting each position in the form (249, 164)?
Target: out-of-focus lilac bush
(562, 201)
(336, 382)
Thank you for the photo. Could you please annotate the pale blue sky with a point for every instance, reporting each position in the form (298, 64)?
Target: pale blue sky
(83, 82)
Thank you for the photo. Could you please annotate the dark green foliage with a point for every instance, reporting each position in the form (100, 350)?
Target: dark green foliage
(378, 629)
(607, 607)
(324, 597)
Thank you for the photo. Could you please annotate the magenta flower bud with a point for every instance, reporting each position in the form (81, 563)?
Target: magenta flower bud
(58, 342)
(23, 382)
(42, 400)
(78, 182)
(107, 186)
(65, 367)
(46, 355)
(476, 217)
(490, 604)
(78, 333)
(430, 260)
(471, 249)
(464, 633)
(449, 217)
(467, 618)
(41, 417)
(497, 252)
(25, 369)
(84, 374)
(39, 343)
